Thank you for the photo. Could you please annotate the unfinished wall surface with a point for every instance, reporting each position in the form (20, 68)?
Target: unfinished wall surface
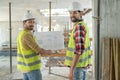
(109, 27)
(4, 31)
(110, 15)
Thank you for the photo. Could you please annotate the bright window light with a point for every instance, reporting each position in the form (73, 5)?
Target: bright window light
(55, 12)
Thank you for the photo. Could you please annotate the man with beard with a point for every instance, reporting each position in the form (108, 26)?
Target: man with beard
(78, 54)
(28, 51)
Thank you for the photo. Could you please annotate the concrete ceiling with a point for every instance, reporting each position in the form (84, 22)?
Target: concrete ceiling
(19, 7)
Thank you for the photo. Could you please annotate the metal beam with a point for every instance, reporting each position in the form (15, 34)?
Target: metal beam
(50, 16)
(10, 34)
(98, 41)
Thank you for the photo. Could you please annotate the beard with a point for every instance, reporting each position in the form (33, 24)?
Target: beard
(74, 19)
(29, 27)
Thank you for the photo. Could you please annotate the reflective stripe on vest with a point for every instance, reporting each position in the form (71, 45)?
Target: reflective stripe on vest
(28, 56)
(81, 60)
(71, 49)
(29, 64)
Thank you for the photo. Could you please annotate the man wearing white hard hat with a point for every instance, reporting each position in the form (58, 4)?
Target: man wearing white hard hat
(78, 54)
(28, 51)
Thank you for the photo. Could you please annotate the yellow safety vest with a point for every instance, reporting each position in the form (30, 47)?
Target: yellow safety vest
(85, 58)
(28, 60)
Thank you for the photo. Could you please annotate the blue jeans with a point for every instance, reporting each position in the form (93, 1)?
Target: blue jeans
(32, 75)
(79, 74)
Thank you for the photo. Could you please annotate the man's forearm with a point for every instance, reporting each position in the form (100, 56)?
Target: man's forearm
(75, 60)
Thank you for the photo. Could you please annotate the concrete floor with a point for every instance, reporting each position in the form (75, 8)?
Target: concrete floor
(17, 75)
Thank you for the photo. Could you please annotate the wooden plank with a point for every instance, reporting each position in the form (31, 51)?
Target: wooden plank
(114, 58)
(103, 49)
(118, 59)
(113, 62)
(105, 58)
(54, 55)
(111, 59)
(108, 73)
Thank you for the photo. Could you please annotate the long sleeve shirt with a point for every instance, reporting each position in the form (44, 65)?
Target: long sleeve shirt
(79, 36)
(29, 42)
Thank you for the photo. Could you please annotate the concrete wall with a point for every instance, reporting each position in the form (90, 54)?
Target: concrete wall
(110, 15)
(109, 24)
(4, 31)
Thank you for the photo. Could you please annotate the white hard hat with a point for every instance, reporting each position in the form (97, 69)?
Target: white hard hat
(28, 16)
(75, 6)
